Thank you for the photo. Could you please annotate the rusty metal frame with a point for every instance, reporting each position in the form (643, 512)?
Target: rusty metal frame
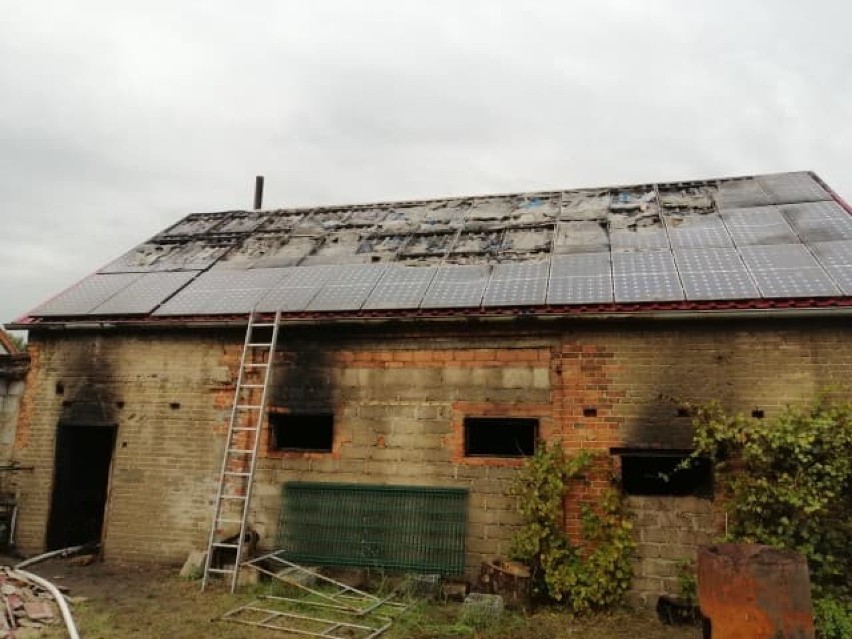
(289, 619)
(345, 600)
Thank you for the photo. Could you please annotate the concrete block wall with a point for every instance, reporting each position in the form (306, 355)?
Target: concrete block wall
(399, 396)
(668, 532)
(160, 390)
(399, 408)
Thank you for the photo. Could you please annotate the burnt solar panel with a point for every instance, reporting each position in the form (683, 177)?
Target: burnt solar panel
(773, 236)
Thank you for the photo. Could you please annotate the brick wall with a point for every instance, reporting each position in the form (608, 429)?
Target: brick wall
(399, 398)
(11, 391)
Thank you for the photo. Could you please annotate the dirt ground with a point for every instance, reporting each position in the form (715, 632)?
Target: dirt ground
(154, 602)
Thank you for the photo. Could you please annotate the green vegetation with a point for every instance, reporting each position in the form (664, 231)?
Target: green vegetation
(787, 482)
(595, 576)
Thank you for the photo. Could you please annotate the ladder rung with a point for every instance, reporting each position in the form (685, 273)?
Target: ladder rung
(249, 406)
(243, 428)
(221, 571)
(251, 385)
(230, 472)
(239, 451)
(264, 325)
(222, 544)
(240, 497)
(229, 521)
(256, 365)
(259, 344)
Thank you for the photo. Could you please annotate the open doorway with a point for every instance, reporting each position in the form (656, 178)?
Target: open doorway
(81, 480)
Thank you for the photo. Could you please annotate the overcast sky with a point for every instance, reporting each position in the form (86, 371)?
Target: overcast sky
(117, 118)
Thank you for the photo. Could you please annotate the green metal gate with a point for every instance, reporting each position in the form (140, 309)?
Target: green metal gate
(410, 528)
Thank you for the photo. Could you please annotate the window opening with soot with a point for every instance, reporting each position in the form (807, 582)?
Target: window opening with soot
(307, 432)
(500, 436)
(663, 473)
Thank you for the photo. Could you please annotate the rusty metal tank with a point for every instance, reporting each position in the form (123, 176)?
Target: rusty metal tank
(750, 591)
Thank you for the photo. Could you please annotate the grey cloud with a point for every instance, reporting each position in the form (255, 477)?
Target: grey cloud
(117, 118)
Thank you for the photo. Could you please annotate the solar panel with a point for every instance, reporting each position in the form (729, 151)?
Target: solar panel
(734, 194)
(287, 299)
(697, 231)
(517, 292)
(838, 254)
(348, 288)
(733, 285)
(356, 274)
(628, 263)
(401, 287)
(520, 270)
(647, 287)
(761, 225)
(779, 256)
(803, 282)
(582, 289)
(836, 259)
(820, 221)
(714, 274)
(340, 298)
(144, 294)
(86, 295)
(457, 287)
(224, 291)
(517, 284)
(645, 277)
(582, 264)
(787, 271)
(313, 275)
(189, 302)
(645, 238)
(708, 260)
(792, 187)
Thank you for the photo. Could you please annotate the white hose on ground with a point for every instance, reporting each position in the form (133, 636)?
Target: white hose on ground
(63, 552)
(60, 600)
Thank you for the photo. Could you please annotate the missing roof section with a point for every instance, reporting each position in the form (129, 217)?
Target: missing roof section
(476, 230)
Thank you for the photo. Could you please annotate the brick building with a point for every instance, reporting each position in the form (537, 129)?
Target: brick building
(431, 344)
(13, 369)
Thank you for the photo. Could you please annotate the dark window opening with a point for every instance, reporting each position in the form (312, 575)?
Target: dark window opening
(758, 413)
(500, 436)
(302, 431)
(661, 473)
(590, 412)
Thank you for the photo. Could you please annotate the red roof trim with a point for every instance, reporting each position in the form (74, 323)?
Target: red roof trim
(519, 311)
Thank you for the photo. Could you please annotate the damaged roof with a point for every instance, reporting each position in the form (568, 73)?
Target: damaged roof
(750, 242)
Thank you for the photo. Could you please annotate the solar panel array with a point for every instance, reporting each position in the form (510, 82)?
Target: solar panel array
(776, 236)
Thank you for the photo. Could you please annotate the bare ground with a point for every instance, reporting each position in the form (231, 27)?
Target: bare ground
(154, 602)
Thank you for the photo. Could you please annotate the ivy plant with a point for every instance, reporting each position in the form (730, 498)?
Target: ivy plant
(787, 482)
(590, 577)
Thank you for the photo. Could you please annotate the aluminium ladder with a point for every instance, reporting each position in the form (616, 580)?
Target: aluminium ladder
(241, 447)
